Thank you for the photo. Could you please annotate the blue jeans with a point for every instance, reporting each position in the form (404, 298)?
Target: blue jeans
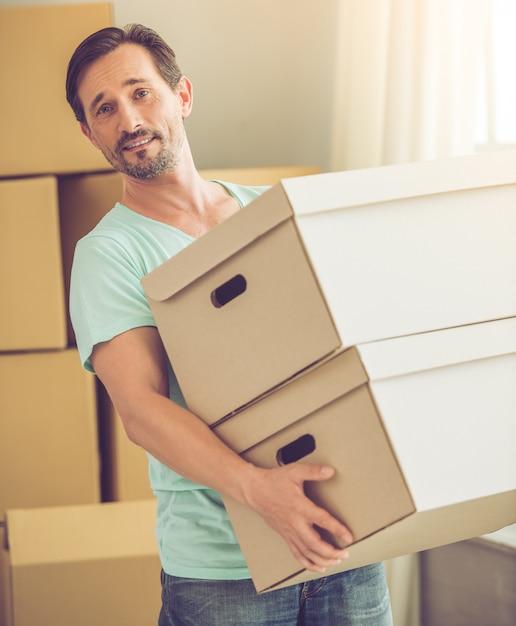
(358, 597)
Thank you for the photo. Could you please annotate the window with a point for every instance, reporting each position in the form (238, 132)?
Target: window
(496, 110)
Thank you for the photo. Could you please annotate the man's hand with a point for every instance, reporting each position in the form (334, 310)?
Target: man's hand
(278, 496)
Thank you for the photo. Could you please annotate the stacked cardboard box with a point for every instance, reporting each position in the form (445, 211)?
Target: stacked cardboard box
(48, 431)
(38, 130)
(32, 314)
(395, 287)
(49, 440)
(84, 565)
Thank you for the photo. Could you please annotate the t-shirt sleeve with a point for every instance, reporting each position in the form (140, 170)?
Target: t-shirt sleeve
(106, 297)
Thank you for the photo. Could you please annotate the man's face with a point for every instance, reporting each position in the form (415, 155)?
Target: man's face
(132, 115)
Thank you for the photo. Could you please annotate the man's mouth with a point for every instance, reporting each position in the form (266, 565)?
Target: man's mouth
(137, 144)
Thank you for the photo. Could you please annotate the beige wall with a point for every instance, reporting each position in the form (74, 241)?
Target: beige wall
(262, 73)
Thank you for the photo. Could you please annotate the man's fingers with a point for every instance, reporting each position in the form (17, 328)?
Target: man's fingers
(332, 525)
(317, 560)
(313, 552)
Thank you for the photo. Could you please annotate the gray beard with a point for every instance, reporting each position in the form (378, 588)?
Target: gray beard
(147, 168)
(144, 169)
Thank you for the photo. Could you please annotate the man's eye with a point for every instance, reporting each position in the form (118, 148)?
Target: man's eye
(103, 109)
(141, 93)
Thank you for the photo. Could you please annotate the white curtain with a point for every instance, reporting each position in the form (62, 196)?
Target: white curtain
(406, 80)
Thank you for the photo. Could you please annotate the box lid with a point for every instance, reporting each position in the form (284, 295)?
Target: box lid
(423, 351)
(227, 238)
(339, 190)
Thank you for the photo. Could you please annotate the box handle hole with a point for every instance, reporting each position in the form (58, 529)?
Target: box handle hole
(228, 291)
(296, 450)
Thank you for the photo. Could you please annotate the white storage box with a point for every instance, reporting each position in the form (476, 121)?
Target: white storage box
(446, 402)
(331, 260)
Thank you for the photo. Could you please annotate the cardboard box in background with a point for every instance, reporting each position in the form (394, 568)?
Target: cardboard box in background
(259, 175)
(83, 201)
(470, 583)
(39, 132)
(48, 431)
(125, 473)
(84, 565)
(446, 401)
(32, 306)
(378, 253)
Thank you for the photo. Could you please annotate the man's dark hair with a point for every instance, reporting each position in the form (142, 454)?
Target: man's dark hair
(105, 41)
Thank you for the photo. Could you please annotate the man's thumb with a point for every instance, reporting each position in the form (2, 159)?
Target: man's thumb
(318, 472)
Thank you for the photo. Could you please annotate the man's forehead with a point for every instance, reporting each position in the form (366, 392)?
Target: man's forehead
(128, 61)
(128, 65)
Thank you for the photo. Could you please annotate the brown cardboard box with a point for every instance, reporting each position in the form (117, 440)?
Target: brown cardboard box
(249, 344)
(336, 259)
(420, 429)
(32, 307)
(325, 416)
(84, 565)
(83, 201)
(48, 431)
(38, 128)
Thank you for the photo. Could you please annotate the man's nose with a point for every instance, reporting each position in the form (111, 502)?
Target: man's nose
(129, 118)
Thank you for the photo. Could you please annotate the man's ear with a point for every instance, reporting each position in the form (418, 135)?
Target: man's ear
(86, 131)
(185, 93)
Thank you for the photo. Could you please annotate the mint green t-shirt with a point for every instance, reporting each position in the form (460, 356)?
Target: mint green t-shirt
(194, 534)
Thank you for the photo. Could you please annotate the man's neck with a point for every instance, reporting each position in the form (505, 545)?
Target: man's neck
(182, 199)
